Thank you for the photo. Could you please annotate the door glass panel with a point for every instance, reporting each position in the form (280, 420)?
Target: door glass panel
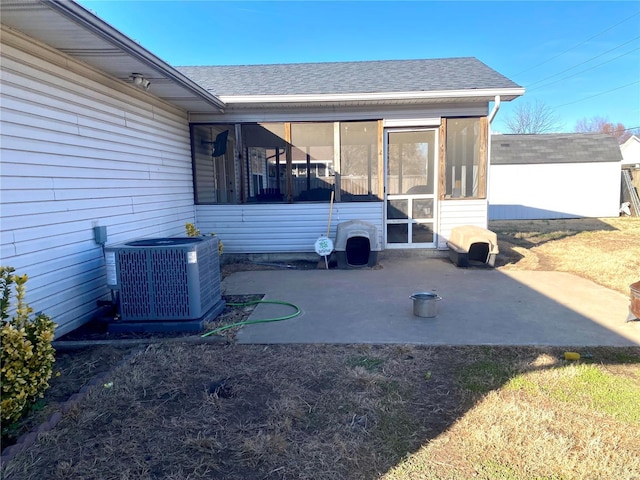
(397, 209)
(422, 233)
(397, 233)
(411, 162)
(422, 208)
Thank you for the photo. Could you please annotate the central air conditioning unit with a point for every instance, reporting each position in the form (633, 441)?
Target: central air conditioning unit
(165, 279)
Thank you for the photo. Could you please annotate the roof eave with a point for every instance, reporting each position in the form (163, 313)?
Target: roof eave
(506, 94)
(85, 18)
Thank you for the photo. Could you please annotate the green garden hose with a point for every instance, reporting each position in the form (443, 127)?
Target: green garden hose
(249, 322)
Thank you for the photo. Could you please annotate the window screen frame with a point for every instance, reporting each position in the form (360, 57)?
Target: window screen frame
(483, 160)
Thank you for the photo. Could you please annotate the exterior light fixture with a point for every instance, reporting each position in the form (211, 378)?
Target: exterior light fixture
(139, 81)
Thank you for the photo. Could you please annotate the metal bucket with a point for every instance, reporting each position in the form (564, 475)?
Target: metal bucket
(424, 304)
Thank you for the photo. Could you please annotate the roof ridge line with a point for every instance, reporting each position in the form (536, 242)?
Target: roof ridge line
(345, 62)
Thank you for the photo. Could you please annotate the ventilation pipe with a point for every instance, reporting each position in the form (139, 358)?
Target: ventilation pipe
(496, 107)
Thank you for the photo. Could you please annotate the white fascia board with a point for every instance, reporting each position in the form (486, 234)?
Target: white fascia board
(412, 122)
(360, 97)
(80, 15)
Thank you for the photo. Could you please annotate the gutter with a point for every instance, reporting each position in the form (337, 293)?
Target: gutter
(381, 96)
(86, 19)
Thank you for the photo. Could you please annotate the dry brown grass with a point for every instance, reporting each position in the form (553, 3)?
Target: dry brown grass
(606, 250)
(284, 412)
(344, 412)
(539, 440)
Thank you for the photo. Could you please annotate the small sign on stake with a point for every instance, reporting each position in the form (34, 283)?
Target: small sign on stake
(324, 247)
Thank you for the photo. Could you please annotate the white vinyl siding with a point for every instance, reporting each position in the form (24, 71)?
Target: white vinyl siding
(80, 149)
(455, 213)
(281, 228)
(554, 190)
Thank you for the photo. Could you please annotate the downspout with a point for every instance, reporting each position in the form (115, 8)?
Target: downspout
(496, 107)
(492, 115)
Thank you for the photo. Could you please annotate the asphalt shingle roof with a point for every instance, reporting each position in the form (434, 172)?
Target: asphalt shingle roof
(554, 148)
(348, 77)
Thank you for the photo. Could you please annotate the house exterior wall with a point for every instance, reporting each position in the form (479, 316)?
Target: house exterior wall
(558, 190)
(80, 149)
(294, 228)
(278, 228)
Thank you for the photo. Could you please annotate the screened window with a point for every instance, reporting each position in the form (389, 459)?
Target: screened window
(465, 167)
(286, 162)
(266, 162)
(215, 172)
(358, 169)
(312, 161)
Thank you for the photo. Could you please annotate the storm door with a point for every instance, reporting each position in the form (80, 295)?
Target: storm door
(411, 185)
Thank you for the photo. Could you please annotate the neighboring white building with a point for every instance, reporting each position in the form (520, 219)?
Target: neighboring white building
(554, 176)
(98, 131)
(631, 152)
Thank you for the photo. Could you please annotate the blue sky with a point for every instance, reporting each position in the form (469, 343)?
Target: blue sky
(581, 59)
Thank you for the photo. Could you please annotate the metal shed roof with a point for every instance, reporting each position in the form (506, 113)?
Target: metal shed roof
(554, 148)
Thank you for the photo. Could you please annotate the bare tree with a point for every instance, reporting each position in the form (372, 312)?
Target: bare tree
(603, 125)
(533, 118)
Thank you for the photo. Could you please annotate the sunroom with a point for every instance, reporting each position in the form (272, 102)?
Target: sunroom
(272, 169)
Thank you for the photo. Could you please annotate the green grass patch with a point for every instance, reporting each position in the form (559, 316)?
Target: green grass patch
(491, 470)
(523, 383)
(614, 395)
(368, 363)
(586, 385)
(622, 356)
(394, 430)
(484, 376)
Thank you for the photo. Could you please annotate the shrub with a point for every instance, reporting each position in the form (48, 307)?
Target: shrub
(27, 354)
(192, 231)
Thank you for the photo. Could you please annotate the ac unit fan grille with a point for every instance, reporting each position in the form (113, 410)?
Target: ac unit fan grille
(171, 289)
(135, 298)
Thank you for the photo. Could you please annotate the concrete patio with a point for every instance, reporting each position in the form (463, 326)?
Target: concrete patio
(479, 306)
